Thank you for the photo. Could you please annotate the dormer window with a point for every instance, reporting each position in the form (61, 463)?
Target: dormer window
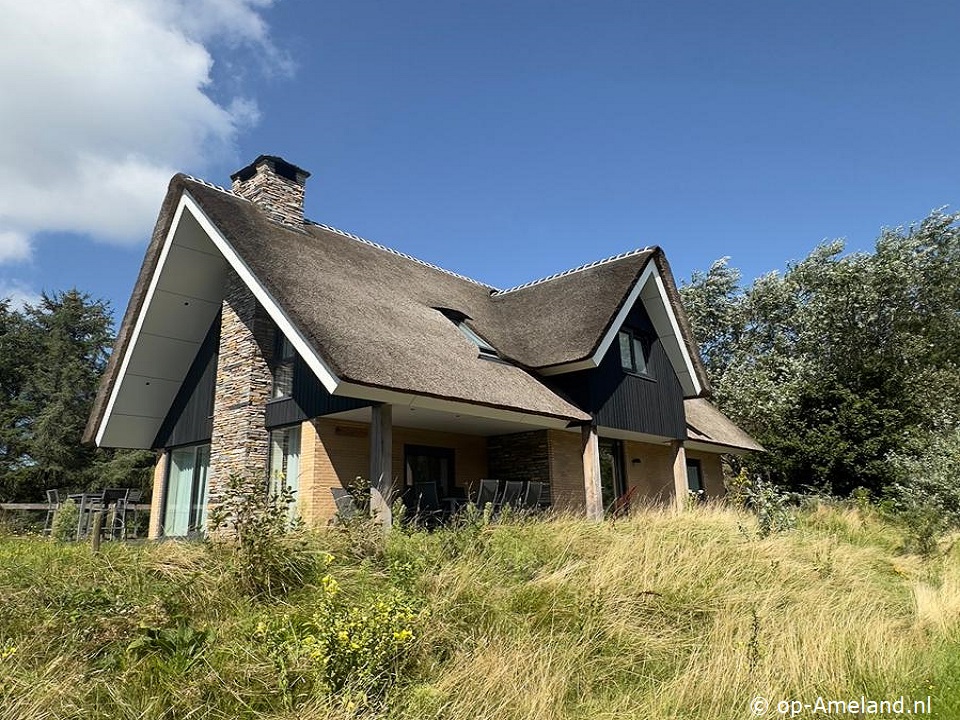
(485, 348)
(634, 351)
(460, 320)
(283, 358)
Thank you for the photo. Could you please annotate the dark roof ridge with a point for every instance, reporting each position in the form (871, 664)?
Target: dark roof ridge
(571, 271)
(390, 250)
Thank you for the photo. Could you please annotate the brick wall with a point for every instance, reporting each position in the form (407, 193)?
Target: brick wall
(240, 441)
(712, 472)
(519, 456)
(157, 497)
(653, 475)
(335, 452)
(566, 470)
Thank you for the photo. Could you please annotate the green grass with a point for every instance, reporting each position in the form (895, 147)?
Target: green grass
(659, 616)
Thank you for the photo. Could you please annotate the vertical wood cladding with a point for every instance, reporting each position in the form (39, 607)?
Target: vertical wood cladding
(618, 399)
(309, 399)
(190, 418)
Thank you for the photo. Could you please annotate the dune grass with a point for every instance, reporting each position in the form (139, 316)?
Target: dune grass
(662, 615)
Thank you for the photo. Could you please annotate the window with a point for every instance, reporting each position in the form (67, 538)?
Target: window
(427, 464)
(284, 356)
(695, 477)
(185, 499)
(460, 320)
(634, 351)
(285, 460)
(485, 347)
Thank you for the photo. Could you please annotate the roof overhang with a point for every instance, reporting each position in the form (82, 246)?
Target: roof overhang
(442, 405)
(651, 291)
(184, 295)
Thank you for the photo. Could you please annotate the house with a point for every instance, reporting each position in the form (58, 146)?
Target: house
(260, 342)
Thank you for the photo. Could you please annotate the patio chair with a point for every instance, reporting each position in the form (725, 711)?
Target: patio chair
(53, 505)
(115, 523)
(426, 503)
(129, 513)
(512, 492)
(621, 506)
(531, 498)
(488, 493)
(346, 506)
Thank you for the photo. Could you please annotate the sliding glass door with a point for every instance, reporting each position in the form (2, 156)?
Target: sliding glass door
(185, 506)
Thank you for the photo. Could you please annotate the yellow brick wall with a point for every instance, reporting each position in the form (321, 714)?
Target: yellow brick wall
(156, 500)
(333, 453)
(653, 475)
(566, 470)
(712, 472)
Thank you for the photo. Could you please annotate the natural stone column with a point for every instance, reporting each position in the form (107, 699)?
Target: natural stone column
(591, 472)
(240, 441)
(381, 463)
(679, 474)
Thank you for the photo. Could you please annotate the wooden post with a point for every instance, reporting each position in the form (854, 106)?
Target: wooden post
(593, 491)
(679, 474)
(381, 463)
(97, 530)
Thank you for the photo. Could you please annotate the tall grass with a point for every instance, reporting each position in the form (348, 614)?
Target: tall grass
(662, 615)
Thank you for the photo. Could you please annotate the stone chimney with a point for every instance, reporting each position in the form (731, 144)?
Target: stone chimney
(276, 186)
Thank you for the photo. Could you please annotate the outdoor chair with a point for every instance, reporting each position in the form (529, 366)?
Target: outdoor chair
(130, 513)
(531, 498)
(346, 506)
(426, 503)
(621, 506)
(488, 492)
(53, 505)
(512, 492)
(114, 524)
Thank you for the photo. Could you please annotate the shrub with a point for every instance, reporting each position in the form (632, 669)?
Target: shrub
(356, 651)
(270, 550)
(765, 500)
(64, 525)
(926, 498)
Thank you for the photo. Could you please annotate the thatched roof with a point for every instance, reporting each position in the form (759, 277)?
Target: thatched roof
(371, 315)
(705, 423)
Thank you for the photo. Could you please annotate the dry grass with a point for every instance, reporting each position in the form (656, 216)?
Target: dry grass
(664, 615)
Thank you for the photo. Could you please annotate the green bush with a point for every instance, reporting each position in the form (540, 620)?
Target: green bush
(765, 500)
(269, 550)
(64, 525)
(356, 651)
(926, 498)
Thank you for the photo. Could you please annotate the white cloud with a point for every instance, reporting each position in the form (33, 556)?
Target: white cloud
(14, 246)
(104, 99)
(18, 294)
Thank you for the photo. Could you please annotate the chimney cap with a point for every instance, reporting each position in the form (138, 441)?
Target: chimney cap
(276, 163)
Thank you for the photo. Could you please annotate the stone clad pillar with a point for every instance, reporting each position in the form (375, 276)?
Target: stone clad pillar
(240, 441)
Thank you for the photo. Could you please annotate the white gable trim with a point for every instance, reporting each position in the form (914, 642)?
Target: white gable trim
(323, 372)
(650, 289)
(188, 204)
(138, 326)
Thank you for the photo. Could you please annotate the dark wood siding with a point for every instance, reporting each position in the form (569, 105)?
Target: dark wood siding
(618, 399)
(310, 399)
(190, 418)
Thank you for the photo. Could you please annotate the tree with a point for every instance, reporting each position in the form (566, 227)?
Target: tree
(54, 354)
(842, 360)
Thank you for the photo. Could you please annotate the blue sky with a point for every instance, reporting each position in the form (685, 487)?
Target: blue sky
(503, 140)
